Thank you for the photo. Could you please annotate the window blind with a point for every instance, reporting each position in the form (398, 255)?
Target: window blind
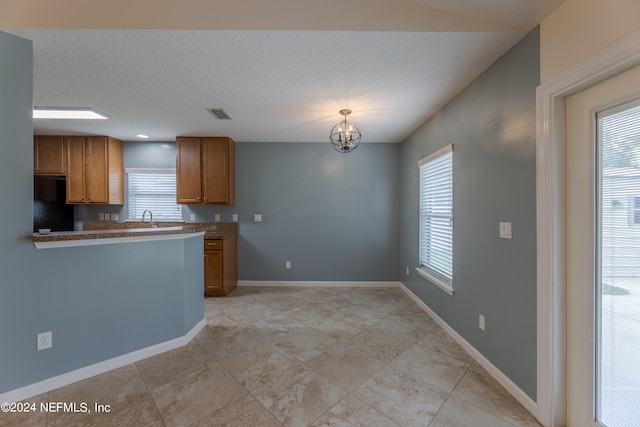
(618, 316)
(436, 216)
(154, 190)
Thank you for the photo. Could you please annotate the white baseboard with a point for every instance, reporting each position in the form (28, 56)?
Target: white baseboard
(99, 368)
(496, 373)
(319, 284)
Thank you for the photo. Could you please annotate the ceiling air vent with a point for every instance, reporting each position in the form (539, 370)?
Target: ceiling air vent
(219, 113)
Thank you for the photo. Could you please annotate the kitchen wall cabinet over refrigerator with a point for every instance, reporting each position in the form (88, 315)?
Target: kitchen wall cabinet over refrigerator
(95, 170)
(49, 156)
(205, 170)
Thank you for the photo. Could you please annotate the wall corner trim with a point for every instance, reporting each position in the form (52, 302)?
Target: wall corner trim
(496, 373)
(99, 368)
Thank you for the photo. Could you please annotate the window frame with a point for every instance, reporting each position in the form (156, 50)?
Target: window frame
(426, 271)
(158, 171)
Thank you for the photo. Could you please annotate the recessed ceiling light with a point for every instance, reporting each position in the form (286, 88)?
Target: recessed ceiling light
(68, 113)
(143, 136)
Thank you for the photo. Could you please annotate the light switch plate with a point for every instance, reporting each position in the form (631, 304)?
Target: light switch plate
(257, 217)
(114, 216)
(216, 217)
(505, 230)
(234, 217)
(193, 217)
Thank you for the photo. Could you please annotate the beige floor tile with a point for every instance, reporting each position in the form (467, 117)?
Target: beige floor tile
(481, 390)
(222, 342)
(377, 344)
(335, 326)
(221, 319)
(269, 327)
(412, 326)
(361, 315)
(280, 303)
(243, 412)
(28, 413)
(299, 396)
(303, 343)
(401, 398)
(248, 312)
(121, 391)
(344, 366)
(440, 341)
(166, 367)
(259, 365)
(309, 313)
(457, 413)
(432, 367)
(193, 396)
(352, 412)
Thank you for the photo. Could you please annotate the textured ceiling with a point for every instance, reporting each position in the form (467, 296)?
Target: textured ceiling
(277, 85)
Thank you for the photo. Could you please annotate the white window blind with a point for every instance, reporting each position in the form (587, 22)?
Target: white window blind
(155, 190)
(618, 286)
(436, 218)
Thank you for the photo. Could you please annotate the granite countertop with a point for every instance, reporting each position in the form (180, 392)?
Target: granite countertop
(113, 230)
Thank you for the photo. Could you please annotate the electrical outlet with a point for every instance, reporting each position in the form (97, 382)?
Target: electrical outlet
(234, 217)
(481, 322)
(216, 217)
(44, 340)
(193, 217)
(101, 216)
(257, 217)
(114, 216)
(287, 265)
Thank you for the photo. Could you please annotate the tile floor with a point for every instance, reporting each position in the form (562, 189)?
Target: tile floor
(298, 357)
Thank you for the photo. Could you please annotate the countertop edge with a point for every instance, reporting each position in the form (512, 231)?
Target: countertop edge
(92, 240)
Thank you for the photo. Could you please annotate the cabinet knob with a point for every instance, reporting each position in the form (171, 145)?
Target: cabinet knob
(205, 198)
(198, 198)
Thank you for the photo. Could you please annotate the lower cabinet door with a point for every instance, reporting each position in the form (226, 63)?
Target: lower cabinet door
(213, 283)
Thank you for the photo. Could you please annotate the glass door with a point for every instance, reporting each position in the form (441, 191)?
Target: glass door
(617, 299)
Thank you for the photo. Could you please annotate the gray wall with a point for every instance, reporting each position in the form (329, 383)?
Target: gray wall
(491, 124)
(100, 301)
(334, 216)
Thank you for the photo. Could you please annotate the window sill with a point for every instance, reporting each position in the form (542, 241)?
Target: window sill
(435, 280)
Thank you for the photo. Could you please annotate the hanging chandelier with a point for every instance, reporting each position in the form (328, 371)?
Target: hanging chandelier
(345, 136)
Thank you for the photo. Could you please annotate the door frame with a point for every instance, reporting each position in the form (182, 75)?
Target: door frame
(551, 213)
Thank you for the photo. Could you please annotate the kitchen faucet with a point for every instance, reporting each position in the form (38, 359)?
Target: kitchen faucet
(151, 223)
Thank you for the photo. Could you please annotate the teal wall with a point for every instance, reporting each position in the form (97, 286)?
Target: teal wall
(491, 124)
(99, 301)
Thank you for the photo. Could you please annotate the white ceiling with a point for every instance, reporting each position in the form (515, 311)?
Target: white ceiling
(283, 85)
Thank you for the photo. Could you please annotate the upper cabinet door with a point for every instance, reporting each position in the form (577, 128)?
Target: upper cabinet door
(97, 177)
(218, 171)
(75, 169)
(188, 170)
(49, 155)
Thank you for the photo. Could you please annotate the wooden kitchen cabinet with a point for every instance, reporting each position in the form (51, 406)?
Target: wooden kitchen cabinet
(220, 266)
(95, 170)
(49, 156)
(205, 170)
